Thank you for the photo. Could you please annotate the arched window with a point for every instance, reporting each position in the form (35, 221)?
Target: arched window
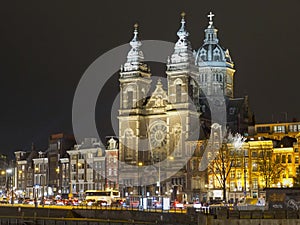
(216, 54)
(203, 54)
(178, 85)
(129, 98)
(128, 144)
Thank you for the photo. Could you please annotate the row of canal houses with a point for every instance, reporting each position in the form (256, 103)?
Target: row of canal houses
(64, 169)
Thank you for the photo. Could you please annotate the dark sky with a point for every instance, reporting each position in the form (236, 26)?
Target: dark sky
(45, 47)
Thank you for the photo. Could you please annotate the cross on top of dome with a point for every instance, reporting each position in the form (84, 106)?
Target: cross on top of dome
(210, 16)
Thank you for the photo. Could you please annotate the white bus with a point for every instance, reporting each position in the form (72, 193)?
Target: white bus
(103, 197)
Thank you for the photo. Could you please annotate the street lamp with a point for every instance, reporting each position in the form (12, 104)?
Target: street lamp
(159, 178)
(234, 196)
(245, 173)
(140, 191)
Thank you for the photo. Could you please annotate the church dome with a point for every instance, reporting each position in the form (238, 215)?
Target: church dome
(211, 53)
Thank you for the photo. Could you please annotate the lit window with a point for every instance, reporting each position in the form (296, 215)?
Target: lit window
(255, 183)
(232, 174)
(279, 129)
(254, 167)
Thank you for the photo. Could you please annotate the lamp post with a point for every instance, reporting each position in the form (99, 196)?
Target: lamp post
(234, 196)
(43, 188)
(139, 185)
(245, 174)
(140, 191)
(158, 178)
(158, 182)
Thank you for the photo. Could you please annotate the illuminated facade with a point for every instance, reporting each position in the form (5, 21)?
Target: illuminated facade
(258, 164)
(158, 125)
(154, 126)
(85, 159)
(93, 167)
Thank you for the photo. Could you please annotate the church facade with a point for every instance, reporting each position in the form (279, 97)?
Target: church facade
(157, 135)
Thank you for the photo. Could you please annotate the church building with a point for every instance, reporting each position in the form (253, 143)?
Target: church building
(156, 129)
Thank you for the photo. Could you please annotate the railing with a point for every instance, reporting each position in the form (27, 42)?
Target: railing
(67, 221)
(131, 208)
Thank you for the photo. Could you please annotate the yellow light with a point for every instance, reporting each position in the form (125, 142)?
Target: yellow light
(140, 164)
(2, 172)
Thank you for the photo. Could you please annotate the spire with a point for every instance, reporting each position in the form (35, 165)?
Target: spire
(135, 56)
(135, 43)
(211, 32)
(182, 33)
(182, 50)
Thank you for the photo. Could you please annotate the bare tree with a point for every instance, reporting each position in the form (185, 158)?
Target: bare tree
(268, 168)
(225, 157)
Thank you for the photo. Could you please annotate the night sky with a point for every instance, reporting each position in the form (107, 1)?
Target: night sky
(45, 47)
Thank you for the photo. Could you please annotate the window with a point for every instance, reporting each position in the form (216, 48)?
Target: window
(279, 129)
(255, 183)
(238, 163)
(129, 99)
(254, 154)
(81, 155)
(239, 175)
(294, 127)
(265, 129)
(283, 159)
(203, 54)
(289, 158)
(128, 144)
(178, 92)
(232, 186)
(254, 167)
(73, 168)
(216, 54)
(297, 159)
(232, 174)
(277, 159)
(246, 163)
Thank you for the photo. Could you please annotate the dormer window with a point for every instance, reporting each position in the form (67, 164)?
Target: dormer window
(203, 54)
(216, 54)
